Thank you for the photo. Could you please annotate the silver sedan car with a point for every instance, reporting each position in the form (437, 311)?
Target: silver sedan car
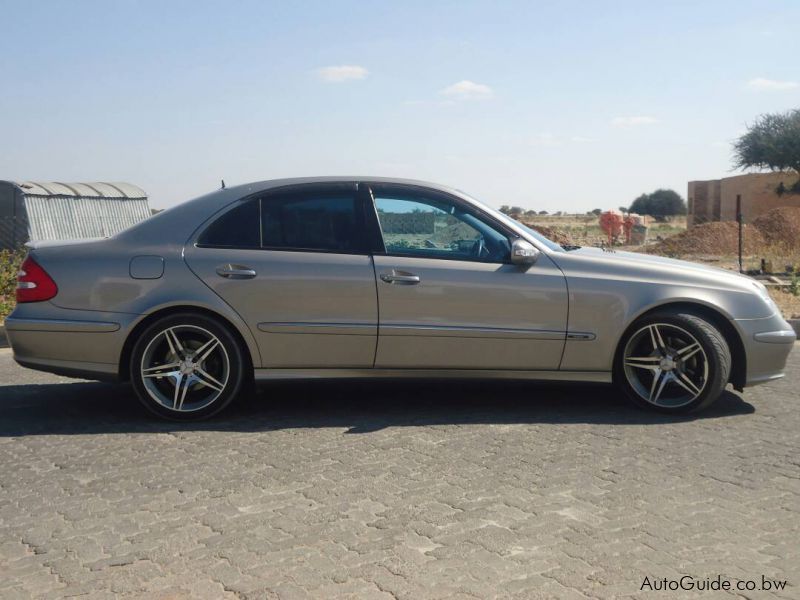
(373, 277)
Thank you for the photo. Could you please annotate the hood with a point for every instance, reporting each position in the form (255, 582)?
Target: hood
(647, 266)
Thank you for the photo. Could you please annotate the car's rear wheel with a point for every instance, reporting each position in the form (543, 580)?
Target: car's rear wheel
(674, 362)
(187, 367)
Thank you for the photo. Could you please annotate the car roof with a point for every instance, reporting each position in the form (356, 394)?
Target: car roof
(260, 186)
(180, 220)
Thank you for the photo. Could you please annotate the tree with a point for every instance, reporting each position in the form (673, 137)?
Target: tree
(516, 211)
(661, 203)
(772, 142)
(596, 212)
(623, 209)
(542, 212)
(505, 209)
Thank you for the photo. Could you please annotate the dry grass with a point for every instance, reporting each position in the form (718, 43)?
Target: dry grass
(718, 238)
(788, 303)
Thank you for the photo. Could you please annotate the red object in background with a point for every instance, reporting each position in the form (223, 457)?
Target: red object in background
(627, 224)
(33, 283)
(611, 223)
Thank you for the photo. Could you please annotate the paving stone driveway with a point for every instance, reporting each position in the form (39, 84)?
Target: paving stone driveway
(392, 490)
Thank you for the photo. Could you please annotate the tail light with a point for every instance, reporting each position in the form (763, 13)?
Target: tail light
(33, 283)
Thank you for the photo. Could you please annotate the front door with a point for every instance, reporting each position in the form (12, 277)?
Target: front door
(295, 267)
(449, 297)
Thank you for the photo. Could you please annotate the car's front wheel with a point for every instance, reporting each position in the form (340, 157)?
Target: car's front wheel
(674, 362)
(187, 367)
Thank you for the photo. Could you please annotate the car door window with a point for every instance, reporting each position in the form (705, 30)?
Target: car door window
(325, 222)
(236, 228)
(434, 228)
(318, 221)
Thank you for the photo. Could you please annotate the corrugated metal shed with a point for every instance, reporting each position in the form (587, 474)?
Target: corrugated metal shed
(37, 210)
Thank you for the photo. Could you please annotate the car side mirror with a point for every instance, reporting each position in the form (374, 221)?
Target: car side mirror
(523, 253)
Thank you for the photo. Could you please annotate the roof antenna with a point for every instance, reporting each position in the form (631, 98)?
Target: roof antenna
(223, 183)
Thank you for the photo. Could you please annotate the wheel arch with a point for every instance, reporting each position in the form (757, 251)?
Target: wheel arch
(130, 341)
(722, 322)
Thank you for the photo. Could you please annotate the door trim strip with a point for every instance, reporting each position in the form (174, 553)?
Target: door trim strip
(372, 329)
(368, 329)
(470, 332)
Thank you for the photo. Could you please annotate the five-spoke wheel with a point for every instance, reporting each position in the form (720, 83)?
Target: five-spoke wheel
(674, 362)
(186, 367)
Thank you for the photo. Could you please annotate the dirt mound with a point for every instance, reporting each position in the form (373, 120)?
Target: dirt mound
(718, 238)
(559, 236)
(780, 227)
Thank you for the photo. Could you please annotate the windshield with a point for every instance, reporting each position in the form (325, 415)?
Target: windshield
(530, 232)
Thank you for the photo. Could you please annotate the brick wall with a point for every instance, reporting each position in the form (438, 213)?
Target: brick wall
(715, 200)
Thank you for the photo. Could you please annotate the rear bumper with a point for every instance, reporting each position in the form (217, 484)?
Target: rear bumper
(78, 347)
(71, 368)
(768, 343)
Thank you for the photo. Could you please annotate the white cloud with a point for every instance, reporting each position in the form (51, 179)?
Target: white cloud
(546, 139)
(468, 90)
(549, 139)
(634, 121)
(761, 84)
(340, 73)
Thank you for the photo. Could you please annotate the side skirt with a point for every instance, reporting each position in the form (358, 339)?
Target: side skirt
(577, 376)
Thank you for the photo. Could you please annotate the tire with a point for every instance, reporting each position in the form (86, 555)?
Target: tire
(187, 367)
(674, 362)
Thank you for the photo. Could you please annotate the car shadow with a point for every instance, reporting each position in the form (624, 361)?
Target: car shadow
(355, 406)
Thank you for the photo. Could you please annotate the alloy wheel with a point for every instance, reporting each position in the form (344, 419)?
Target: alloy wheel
(665, 365)
(185, 368)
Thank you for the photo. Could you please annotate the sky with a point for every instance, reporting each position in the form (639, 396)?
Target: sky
(546, 105)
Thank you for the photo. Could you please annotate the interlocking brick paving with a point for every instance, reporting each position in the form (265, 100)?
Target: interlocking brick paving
(392, 490)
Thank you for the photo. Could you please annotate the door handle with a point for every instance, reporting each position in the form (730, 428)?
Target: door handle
(405, 278)
(236, 272)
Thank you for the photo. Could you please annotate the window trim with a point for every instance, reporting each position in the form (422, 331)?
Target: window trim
(372, 221)
(400, 188)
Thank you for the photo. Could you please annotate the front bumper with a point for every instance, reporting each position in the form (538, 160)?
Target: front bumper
(767, 343)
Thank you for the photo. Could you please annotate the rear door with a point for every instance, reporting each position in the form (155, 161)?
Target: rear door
(294, 264)
(449, 297)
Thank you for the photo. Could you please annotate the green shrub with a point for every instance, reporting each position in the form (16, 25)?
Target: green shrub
(9, 265)
(794, 285)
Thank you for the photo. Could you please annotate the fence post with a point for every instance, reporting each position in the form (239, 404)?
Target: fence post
(740, 220)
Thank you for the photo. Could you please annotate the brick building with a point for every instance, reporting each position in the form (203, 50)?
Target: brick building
(715, 200)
